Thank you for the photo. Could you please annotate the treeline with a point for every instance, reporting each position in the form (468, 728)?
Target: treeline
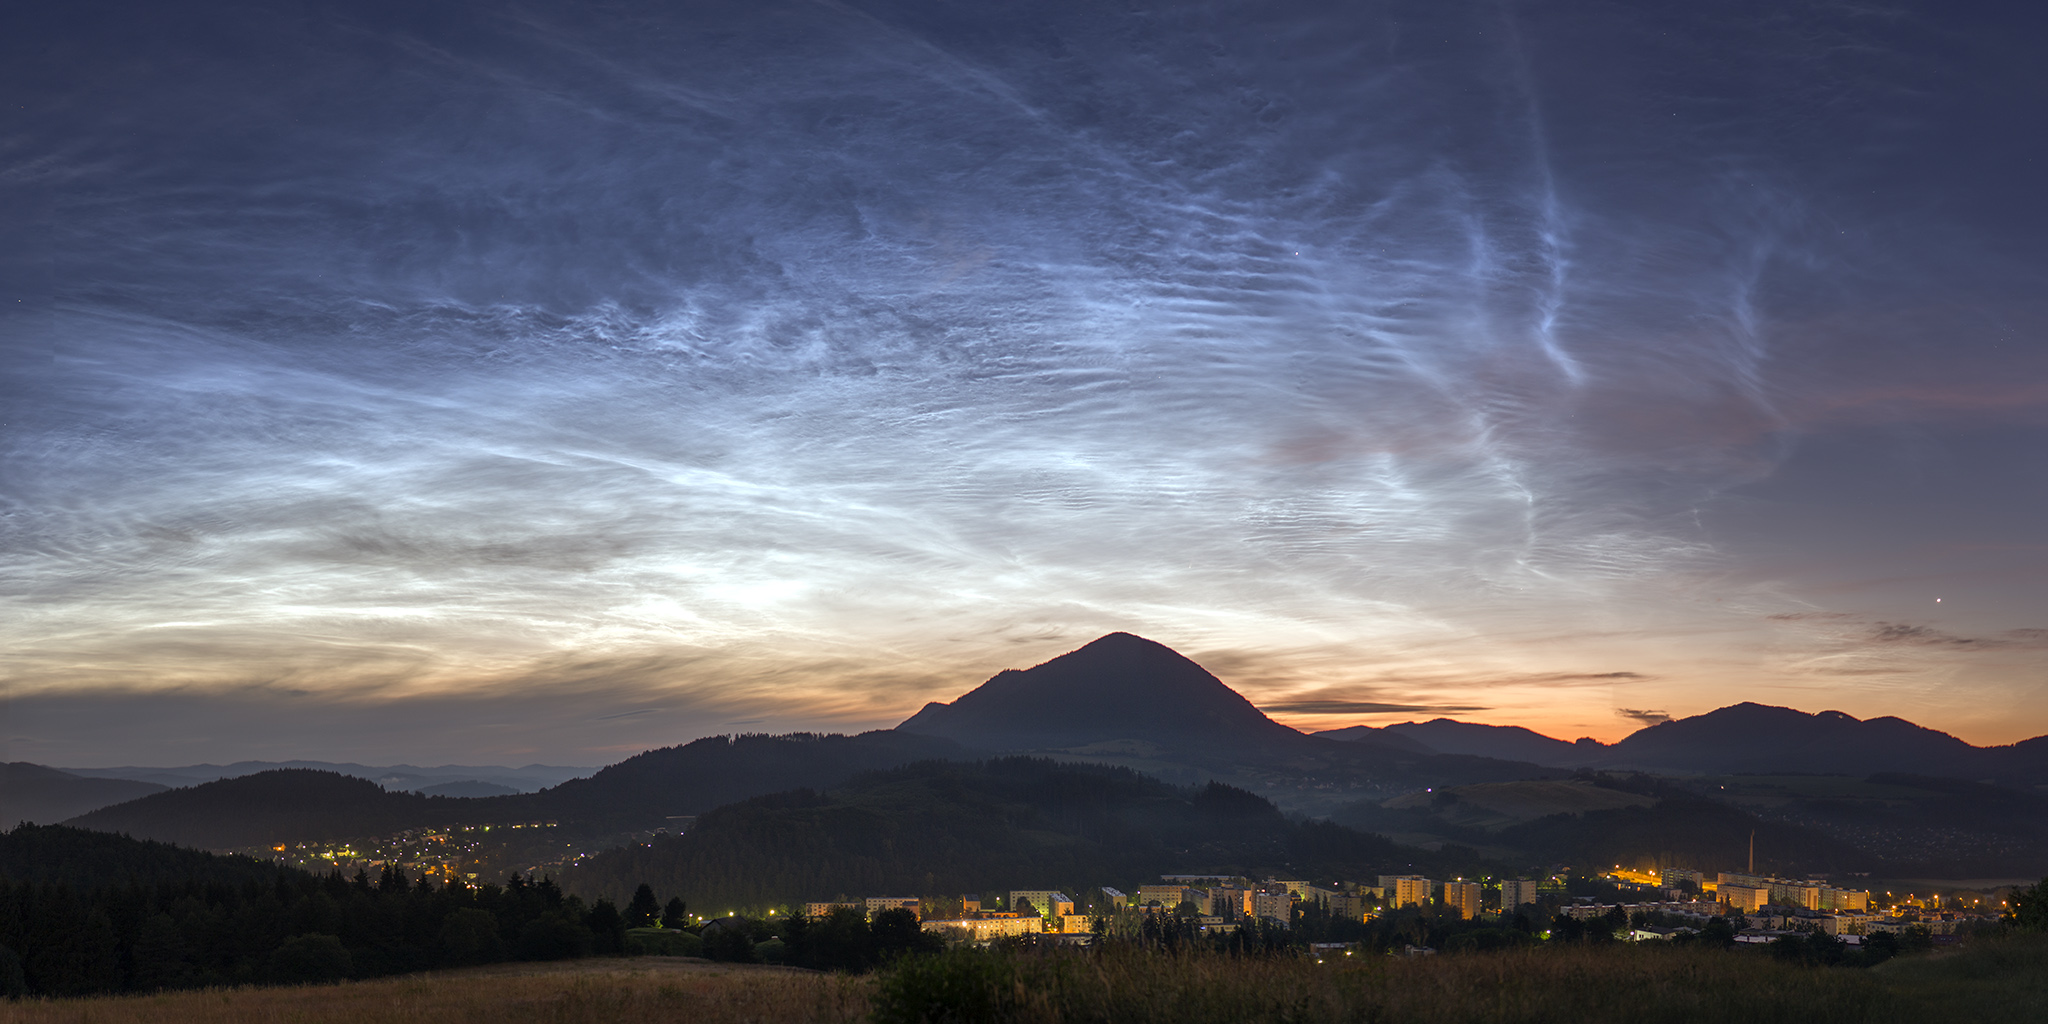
(130, 916)
(953, 827)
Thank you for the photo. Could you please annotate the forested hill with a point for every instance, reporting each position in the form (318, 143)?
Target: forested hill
(643, 790)
(86, 912)
(32, 792)
(941, 827)
(297, 805)
(283, 805)
(78, 859)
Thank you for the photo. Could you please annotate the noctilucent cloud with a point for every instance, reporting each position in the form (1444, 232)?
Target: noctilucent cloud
(513, 382)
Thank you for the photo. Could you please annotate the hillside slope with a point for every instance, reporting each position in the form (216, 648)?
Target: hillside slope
(641, 792)
(33, 792)
(1008, 823)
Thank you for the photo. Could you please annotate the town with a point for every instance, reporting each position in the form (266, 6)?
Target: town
(1640, 905)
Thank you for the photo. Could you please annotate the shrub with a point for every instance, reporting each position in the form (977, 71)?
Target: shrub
(957, 987)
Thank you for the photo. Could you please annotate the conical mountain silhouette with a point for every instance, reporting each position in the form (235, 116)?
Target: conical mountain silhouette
(1120, 687)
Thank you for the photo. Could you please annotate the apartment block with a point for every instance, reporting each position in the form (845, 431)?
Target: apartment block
(876, 904)
(1795, 894)
(1167, 896)
(1745, 898)
(982, 929)
(1348, 908)
(1230, 901)
(1411, 890)
(1046, 902)
(1515, 892)
(1464, 896)
(1277, 907)
(1844, 899)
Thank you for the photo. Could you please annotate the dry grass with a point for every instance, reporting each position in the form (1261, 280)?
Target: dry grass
(1538, 986)
(1645, 984)
(574, 992)
(2001, 981)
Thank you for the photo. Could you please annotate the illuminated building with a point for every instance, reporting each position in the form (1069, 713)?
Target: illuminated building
(1515, 892)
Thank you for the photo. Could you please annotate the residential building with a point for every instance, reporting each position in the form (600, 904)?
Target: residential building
(1229, 901)
(1844, 899)
(1348, 908)
(1167, 896)
(876, 904)
(985, 928)
(1116, 897)
(1387, 881)
(826, 909)
(1515, 892)
(1277, 907)
(1675, 877)
(1464, 896)
(1047, 902)
(1795, 894)
(1411, 890)
(1744, 898)
(1847, 922)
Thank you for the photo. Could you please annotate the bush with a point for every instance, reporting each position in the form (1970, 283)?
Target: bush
(2030, 907)
(729, 942)
(952, 988)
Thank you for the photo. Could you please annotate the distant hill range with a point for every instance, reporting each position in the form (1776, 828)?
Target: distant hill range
(641, 792)
(939, 827)
(39, 793)
(1746, 738)
(32, 792)
(527, 779)
(1121, 700)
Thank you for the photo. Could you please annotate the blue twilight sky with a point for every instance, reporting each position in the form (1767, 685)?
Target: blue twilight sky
(449, 381)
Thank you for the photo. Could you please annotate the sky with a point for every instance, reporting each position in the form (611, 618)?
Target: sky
(509, 382)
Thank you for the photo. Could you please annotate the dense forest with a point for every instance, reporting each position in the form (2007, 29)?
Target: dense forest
(86, 912)
(953, 827)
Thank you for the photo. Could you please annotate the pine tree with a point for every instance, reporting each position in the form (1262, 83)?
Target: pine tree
(643, 911)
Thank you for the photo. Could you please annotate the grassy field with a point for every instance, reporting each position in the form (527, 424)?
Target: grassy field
(569, 992)
(1987, 981)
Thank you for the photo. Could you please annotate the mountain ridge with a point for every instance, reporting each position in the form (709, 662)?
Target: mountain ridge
(1117, 687)
(1746, 738)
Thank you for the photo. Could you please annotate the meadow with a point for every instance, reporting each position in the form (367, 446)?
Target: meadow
(2002, 980)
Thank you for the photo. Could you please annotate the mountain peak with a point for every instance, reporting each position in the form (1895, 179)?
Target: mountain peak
(1117, 687)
